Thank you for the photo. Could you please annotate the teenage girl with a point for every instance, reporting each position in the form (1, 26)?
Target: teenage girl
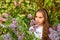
(42, 31)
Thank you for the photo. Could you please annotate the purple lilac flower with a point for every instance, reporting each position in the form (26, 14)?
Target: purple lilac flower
(51, 30)
(31, 29)
(14, 19)
(33, 22)
(58, 28)
(20, 38)
(13, 26)
(14, 22)
(54, 34)
(51, 36)
(29, 16)
(57, 38)
(35, 26)
(8, 34)
(55, 27)
(7, 37)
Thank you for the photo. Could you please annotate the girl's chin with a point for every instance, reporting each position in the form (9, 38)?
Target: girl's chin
(40, 24)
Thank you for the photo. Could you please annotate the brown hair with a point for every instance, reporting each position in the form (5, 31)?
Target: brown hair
(46, 24)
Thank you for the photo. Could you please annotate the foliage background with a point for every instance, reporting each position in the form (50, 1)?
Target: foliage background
(21, 11)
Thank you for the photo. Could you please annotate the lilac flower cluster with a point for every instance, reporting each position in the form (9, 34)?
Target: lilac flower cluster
(54, 34)
(33, 22)
(7, 37)
(33, 25)
(31, 29)
(20, 37)
(13, 25)
(14, 28)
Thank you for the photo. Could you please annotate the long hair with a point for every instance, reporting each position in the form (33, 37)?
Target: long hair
(46, 24)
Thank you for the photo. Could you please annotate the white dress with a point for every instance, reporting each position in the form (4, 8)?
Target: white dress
(38, 32)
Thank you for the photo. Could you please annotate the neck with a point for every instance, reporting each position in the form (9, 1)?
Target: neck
(41, 25)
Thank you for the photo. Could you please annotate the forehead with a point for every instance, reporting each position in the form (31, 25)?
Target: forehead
(39, 14)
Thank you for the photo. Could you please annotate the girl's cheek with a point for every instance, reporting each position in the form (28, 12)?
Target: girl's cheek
(41, 20)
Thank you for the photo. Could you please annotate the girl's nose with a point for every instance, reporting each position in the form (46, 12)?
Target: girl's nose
(37, 19)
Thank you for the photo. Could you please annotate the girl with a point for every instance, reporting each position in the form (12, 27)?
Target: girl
(42, 30)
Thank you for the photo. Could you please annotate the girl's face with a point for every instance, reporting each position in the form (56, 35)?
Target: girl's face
(39, 18)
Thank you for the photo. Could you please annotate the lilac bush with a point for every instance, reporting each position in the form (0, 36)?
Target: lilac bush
(54, 34)
(15, 29)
